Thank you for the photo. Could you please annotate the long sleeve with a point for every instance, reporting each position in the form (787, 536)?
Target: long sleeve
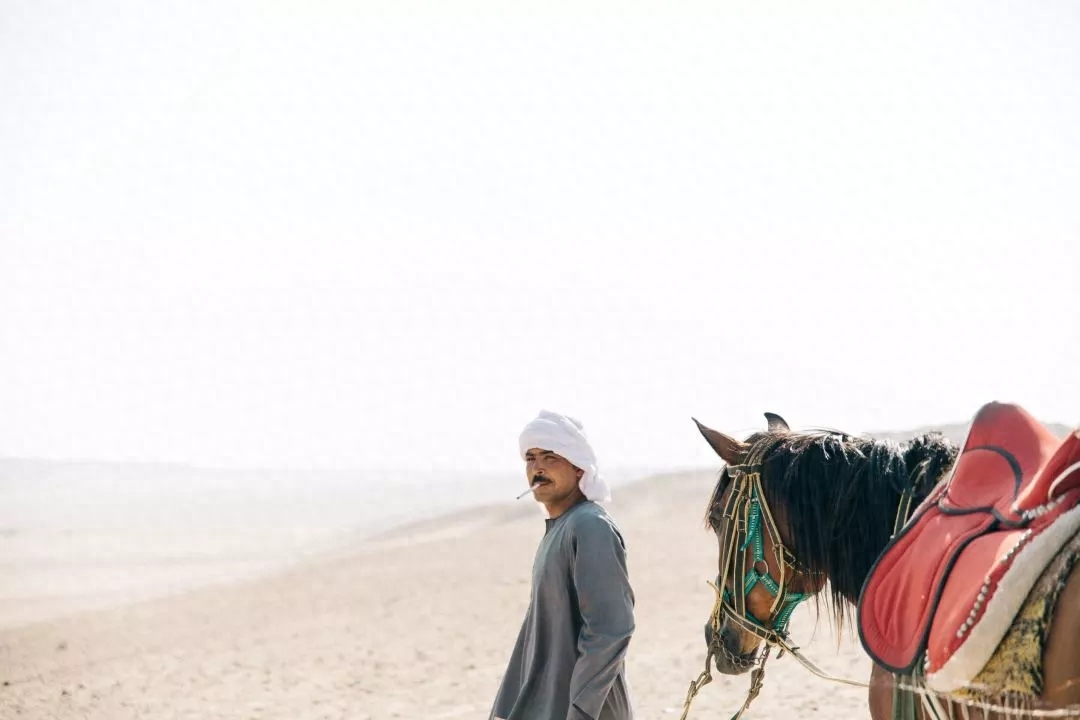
(606, 604)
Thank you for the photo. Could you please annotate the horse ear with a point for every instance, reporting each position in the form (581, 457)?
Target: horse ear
(776, 423)
(728, 448)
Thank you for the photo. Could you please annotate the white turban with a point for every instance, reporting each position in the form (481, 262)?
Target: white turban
(565, 436)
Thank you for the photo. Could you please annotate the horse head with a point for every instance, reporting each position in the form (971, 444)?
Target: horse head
(759, 578)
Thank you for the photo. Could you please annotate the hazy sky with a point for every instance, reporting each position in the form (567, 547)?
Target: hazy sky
(349, 234)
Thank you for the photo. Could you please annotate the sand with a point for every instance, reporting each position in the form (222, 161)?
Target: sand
(416, 623)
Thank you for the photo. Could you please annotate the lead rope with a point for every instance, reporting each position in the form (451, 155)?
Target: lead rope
(757, 679)
(695, 685)
(757, 675)
(706, 675)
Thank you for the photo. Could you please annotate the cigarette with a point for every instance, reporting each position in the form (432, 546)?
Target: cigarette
(531, 488)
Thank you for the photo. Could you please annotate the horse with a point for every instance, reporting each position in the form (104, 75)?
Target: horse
(794, 512)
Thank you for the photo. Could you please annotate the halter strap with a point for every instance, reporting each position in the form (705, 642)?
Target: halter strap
(749, 517)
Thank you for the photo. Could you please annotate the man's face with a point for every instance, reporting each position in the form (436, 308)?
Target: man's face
(555, 478)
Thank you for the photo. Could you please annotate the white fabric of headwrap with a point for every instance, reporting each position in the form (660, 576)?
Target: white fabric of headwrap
(565, 436)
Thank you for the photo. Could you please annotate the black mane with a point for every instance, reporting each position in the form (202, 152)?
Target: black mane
(837, 496)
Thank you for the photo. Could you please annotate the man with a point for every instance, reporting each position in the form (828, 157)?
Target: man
(568, 662)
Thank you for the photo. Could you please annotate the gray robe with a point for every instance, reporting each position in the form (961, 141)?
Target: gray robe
(568, 662)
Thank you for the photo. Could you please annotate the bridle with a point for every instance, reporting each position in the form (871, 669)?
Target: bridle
(748, 517)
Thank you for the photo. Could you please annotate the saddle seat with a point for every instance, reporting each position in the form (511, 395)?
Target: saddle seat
(946, 589)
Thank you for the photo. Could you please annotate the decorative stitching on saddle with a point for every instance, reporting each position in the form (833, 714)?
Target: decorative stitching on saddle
(984, 591)
(1041, 510)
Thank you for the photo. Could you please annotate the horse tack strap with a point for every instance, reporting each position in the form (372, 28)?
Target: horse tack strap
(757, 676)
(806, 663)
(747, 515)
(695, 685)
(757, 679)
(736, 514)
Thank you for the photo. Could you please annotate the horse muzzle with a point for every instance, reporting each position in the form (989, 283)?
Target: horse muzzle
(725, 647)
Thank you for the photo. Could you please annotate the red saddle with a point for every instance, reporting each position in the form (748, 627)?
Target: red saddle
(951, 582)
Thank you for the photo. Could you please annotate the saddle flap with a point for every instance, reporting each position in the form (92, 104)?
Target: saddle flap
(901, 593)
(959, 535)
(963, 598)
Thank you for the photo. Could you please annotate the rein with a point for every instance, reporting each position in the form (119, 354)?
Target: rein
(757, 675)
